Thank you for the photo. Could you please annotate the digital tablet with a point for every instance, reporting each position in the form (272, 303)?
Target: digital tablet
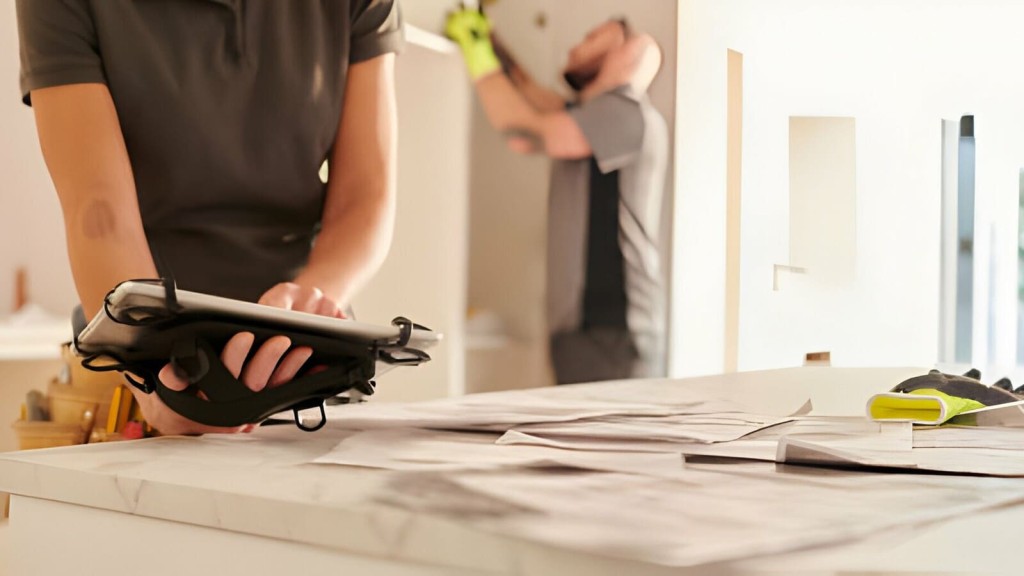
(133, 300)
(146, 325)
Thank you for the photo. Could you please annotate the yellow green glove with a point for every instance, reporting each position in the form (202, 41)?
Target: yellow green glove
(471, 30)
(936, 398)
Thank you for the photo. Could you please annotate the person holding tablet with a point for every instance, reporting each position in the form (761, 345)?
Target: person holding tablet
(192, 135)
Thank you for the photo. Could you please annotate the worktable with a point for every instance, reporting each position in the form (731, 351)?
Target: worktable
(254, 504)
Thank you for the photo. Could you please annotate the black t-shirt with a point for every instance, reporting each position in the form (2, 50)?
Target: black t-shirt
(228, 109)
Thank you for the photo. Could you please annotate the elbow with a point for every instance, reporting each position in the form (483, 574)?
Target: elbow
(563, 140)
(521, 146)
(511, 125)
(562, 150)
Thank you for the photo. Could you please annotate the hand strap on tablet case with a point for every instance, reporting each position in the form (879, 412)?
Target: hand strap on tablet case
(229, 402)
(214, 397)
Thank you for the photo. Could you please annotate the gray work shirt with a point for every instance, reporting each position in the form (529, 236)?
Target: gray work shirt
(228, 110)
(628, 135)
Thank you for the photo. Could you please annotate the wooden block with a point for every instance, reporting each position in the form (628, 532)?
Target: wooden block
(20, 288)
(35, 435)
(818, 359)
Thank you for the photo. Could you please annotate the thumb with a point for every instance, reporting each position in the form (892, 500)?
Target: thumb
(278, 297)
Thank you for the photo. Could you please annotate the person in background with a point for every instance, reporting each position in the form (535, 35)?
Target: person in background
(193, 134)
(605, 306)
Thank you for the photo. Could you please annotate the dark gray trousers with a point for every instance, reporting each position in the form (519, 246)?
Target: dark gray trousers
(593, 355)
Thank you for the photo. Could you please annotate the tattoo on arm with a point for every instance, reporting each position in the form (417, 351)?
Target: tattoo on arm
(98, 220)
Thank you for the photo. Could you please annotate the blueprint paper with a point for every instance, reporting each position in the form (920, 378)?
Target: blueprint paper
(479, 413)
(705, 428)
(708, 514)
(412, 449)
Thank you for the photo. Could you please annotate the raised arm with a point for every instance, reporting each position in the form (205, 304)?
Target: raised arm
(541, 98)
(85, 153)
(528, 128)
(553, 133)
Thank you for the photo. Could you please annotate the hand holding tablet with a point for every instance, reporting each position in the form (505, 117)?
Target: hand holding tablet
(225, 364)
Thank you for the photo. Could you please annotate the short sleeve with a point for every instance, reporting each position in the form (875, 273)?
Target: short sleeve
(613, 124)
(58, 45)
(376, 29)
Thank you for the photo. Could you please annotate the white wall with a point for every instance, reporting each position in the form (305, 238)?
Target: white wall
(509, 194)
(898, 67)
(427, 14)
(508, 224)
(31, 230)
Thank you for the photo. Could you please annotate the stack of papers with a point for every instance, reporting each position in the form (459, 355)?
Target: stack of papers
(709, 514)
(532, 429)
(476, 413)
(467, 434)
(762, 444)
(983, 452)
(670, 474)
(410, 449)
(702, 428)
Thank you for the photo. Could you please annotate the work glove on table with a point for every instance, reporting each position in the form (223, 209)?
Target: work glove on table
(471, 30)
(936, 398)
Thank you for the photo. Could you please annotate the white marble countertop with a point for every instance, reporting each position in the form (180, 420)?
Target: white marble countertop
(259, 484)
(264, 485)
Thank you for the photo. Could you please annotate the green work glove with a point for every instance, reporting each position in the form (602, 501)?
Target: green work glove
(936, 398)
(471, 30)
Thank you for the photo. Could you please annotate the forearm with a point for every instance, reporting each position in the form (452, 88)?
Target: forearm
(541, 98)
(505, 106)
(554, 133)
(86, 156)
(351, 248)
(359, 210)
